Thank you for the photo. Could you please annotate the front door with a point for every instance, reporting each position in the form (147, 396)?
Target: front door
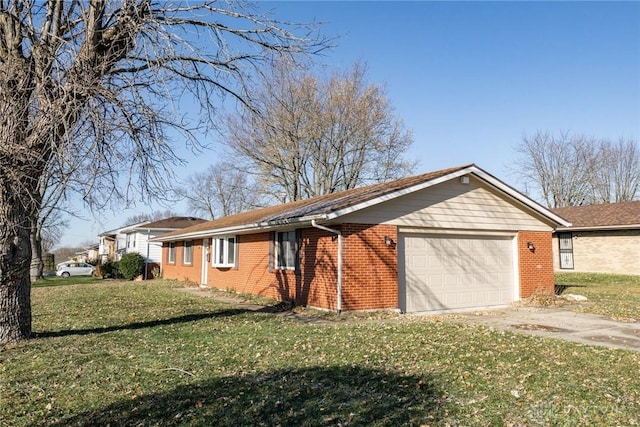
(205, 262)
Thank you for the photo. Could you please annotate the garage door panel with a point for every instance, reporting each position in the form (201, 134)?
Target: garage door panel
(457, 272)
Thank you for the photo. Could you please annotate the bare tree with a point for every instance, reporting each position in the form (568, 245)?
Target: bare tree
(95, 85)
(574, 170)
(618, 177)
(150, 216)
(221, 190)
(48, 220)
(559, 166)
(308, 136)
(52, 230)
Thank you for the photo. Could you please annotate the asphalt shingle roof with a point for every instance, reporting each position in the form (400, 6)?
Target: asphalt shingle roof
(174, 222)
(320, 205)
(605, 215)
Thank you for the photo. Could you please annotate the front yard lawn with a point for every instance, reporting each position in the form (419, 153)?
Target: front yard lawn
(143, 354)
(613, 295)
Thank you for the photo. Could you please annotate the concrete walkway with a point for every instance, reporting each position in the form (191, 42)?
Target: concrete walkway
(560, 323)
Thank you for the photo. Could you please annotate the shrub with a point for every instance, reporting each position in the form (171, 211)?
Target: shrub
(131, 265)
(107, 269)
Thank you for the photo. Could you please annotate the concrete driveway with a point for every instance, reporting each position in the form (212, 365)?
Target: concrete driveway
(560, 323)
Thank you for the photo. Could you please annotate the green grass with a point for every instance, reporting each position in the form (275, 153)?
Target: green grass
(613, 295)
(144, 354)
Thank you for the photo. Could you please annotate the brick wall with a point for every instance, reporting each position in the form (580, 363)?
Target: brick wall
(611, 251)
(179, 270)
(536, 267)
(370, 275)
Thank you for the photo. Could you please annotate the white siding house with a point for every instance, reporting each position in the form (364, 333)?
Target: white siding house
(135, 238)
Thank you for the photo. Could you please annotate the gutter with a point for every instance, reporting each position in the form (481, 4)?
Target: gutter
(597, 228)
(237, 229)
(339, 285)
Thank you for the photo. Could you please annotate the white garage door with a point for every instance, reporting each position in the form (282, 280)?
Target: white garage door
(445, 272)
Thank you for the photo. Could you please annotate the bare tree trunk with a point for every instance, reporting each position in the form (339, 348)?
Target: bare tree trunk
(15, 286)
(37, 259)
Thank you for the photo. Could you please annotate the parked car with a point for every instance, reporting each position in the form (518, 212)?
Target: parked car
(73, 268)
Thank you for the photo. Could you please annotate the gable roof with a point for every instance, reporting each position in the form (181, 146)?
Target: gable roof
(334, 205)
(119, 230)
(602, 217)
(174, 222)
(171, 223)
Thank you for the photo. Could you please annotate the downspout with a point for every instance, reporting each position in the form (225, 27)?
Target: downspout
(339, 285)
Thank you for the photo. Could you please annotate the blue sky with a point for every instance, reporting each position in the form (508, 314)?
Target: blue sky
(471, 78)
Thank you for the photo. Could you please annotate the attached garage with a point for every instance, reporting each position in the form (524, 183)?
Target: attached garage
(456, 272)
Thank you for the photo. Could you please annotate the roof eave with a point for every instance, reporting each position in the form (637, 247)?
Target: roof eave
(599, 227)
(244, 228)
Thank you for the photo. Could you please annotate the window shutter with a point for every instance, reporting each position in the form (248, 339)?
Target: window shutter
(272, 245)
(297, 251)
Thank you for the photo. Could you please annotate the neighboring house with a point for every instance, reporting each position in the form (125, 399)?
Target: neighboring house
(453, 239)
(113, 243)
(136, 238)
(601, 239)
(89, 254)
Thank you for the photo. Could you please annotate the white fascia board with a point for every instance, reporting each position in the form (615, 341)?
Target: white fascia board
(261, 226)
(598, 228)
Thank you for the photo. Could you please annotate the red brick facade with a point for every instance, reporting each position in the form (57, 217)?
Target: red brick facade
(370, 267)
(535, 266)
(179, 270)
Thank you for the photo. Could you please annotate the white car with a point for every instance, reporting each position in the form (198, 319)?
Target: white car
(73, 268)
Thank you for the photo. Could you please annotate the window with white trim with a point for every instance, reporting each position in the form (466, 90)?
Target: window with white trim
(131, 240)
(286, 250)
(187, 252)
(224, 251)
(171, 253)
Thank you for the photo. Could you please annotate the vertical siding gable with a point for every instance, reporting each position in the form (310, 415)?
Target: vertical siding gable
(452, 205)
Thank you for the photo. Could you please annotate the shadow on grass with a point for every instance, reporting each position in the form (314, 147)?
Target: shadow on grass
(276, 308)
(142, 325)
(49, 282)
(301, 397)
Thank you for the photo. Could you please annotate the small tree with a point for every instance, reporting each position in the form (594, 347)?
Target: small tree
(131, 265)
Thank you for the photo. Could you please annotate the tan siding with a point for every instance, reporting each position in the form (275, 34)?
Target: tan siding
(603, 252)
(451, 205)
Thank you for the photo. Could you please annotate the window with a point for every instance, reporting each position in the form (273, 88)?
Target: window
(171, 253)
(187, 252)
(286, 250)
(565, 241)
(224, 251)
(131, 240)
